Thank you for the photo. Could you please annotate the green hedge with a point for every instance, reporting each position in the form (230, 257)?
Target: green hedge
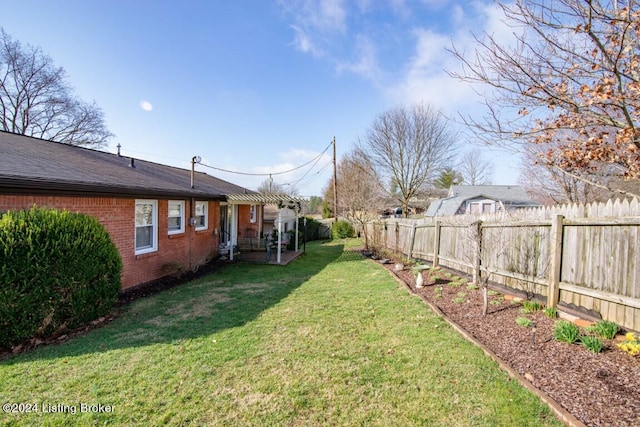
(312, 229)
(58, 271)
(342, 229)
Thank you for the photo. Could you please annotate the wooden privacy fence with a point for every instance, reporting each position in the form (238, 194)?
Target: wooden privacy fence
(580, 256)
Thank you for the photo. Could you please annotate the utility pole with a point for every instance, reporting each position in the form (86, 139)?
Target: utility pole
(335, 183)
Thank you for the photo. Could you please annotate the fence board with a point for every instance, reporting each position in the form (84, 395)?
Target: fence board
(600, 258)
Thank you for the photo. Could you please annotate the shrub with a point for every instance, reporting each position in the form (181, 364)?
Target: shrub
(592, 343)
(342, 229)
(312, 230)
(59, 270)
(604, 329)
(566, 331)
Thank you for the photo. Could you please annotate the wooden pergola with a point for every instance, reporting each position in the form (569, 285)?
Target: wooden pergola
(282, 201)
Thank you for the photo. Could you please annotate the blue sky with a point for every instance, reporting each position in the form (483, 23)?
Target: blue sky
(256, 86)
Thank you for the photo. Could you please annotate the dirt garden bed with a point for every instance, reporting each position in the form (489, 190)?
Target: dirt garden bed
(598, 389)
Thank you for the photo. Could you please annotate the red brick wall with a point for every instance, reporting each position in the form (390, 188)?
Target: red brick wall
(246, 228)
(186, 250)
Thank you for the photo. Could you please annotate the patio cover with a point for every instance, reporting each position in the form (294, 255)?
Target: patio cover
(282, 201)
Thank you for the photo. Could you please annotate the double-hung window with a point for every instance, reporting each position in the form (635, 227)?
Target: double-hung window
(146, 239)
(201, 215)
(175, 221)
(252, 213)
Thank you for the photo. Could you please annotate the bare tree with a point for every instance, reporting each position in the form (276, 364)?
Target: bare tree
(360, 192)
(268, 186)
(409, 147)
(572, 65)
(35, 99)
(475, 169)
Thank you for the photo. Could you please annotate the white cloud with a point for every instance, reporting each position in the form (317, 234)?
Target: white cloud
(304, 43)
(328, 14)
(146, 105)
(316, 23)
(426, 75)
(366, 63)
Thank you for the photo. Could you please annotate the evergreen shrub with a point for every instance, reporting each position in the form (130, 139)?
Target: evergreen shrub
(342, 229)
(58, 271)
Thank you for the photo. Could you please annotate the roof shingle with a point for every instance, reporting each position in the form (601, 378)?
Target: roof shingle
(28, 163)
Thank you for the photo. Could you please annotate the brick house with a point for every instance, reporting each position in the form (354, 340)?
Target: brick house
(161, 218)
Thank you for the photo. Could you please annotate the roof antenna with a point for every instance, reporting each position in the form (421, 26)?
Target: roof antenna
(118, 146)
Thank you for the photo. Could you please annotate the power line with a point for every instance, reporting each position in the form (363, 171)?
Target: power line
(307, 172)
(315, 159)
(308, 178)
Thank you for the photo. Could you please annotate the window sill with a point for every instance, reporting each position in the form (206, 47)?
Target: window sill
(176, 235)
(147, 254)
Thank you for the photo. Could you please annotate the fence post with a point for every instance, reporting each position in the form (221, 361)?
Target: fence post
(397, 237)
(436, 245)
(386, 238)
(412, 241)
(477, 250)
(553, 293)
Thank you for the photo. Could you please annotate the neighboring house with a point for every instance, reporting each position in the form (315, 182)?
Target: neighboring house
(479, 199)
(160, 222)
(287, 219)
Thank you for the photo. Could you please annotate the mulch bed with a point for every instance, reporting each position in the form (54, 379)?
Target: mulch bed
(598, 389)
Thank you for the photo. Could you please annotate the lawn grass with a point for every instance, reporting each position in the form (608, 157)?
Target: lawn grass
(331, 339)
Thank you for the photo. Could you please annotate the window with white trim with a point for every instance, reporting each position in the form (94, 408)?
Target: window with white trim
(252, 213)
(146, 237)
(201, 215)
(175, 221)
(478, 207)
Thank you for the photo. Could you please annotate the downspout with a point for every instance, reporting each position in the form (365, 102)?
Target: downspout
(296, 246)
(279, 234)
(260, 220)
(192, 223)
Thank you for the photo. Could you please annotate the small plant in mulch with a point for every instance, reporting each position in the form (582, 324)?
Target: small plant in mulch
(524, 322)
(492, 293)
(472, 286)
(565, 331)
(461, 281)
(551, 312)
(532, 305)
(631, 344)
(438, 292)
(604, 329)
(459, 300)
(592, 343)
(529, 307)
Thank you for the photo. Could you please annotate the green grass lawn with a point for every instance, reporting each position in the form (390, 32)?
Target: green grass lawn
(331, 339)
